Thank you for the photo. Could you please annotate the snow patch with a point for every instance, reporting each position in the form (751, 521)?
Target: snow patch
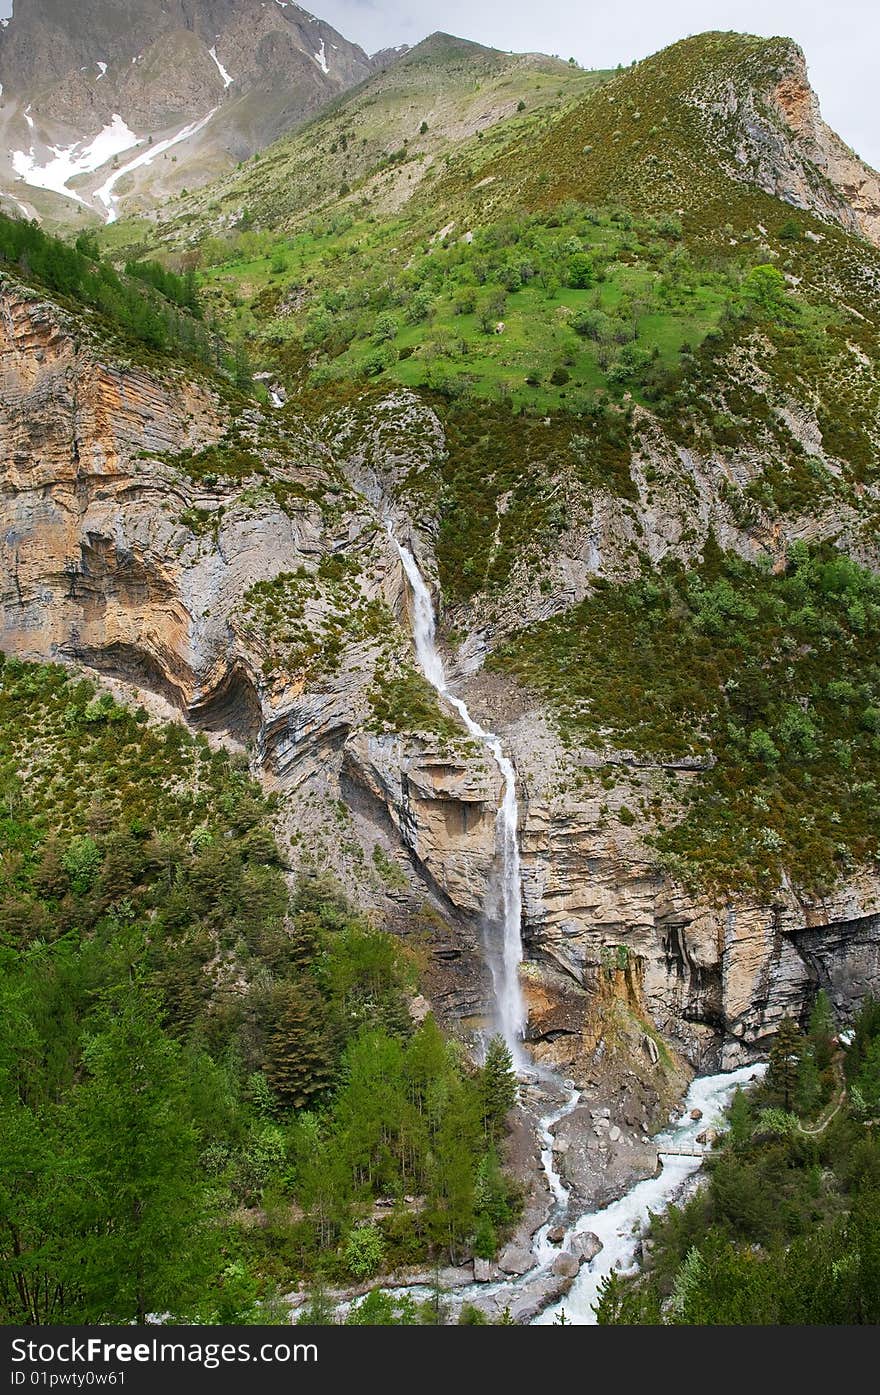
(105, 194)
(73, 160)
(102, 68)
(227, 80)
(27, 116)
(321, 58)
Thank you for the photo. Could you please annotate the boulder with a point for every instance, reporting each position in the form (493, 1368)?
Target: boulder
(696, 1114)
(556, 1234)
(586, 1245)
(708, 1136)
(566, 1265)
(482, 1271)
(516, 1260)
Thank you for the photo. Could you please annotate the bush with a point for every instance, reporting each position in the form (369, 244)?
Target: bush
(364, 1251)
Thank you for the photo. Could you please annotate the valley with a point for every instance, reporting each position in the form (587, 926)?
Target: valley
(440, 610)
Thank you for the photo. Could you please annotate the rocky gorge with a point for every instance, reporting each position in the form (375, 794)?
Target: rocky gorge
(121, 555)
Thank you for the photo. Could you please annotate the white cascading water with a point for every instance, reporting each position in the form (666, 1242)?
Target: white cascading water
(620, 1225)
(504, 965)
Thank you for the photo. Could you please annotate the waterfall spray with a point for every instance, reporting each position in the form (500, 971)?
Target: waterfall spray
(510, 1007)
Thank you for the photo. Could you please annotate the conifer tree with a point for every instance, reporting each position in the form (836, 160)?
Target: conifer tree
(298, 1067)
(499, 1089)
(821, 1030)
(785, 1059)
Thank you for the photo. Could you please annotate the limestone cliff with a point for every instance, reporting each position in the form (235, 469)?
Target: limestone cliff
(268, 602)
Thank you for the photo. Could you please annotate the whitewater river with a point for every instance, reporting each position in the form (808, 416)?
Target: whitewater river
(620, 1225)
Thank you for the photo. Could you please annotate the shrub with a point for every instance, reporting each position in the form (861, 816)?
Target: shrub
(364, 1251)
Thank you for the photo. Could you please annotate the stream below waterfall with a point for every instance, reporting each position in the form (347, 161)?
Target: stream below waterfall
(618, 1226)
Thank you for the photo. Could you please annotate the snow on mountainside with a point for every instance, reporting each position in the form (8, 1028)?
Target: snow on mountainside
(80, 86)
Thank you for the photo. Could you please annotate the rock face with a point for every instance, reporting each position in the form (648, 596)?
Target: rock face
(785, 148)
(118, 555)
(823, 150)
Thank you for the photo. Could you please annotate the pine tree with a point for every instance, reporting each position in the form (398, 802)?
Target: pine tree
(499, 1088)
(785, 1059)
(739, 1118)
(298, 1067)
(821, 1030)
(141, 1199)
(808, 1095)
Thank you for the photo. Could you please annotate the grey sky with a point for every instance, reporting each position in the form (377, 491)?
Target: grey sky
(841, 38)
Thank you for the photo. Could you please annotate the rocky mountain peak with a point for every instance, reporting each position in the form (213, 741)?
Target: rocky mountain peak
(154, 68)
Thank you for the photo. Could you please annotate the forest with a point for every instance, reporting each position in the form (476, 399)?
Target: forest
(211, 1088)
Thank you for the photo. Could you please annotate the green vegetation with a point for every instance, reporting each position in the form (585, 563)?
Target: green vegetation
(310, 618)
(787, 1231)
(402, 700)
(771, 681)
(206, 1086)
(148, 304)
(542, 310)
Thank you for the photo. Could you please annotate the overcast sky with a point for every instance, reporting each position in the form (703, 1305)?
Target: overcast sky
(841, 38)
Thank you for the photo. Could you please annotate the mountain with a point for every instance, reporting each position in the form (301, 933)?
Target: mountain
(384, 137)
(682, 128)
(589, 363)
(91, 89)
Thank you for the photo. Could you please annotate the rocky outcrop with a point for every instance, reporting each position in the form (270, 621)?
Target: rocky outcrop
(822, 149)
(714, 977)
(783, 146)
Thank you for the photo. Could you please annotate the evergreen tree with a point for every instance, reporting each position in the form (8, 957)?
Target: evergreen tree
(298, 1066)
(143, 1205)
(821, 1030)
(739, 1116)
(865, 1089)
(785, 1058)
(808, 1095)
(499, 1087)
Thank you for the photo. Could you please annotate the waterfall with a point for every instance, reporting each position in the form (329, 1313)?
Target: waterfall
(504, 966)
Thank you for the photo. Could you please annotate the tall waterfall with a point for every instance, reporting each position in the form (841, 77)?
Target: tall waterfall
(504, 965)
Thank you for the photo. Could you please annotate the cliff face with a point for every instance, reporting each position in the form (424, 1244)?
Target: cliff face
(272, 606)
(786, 149)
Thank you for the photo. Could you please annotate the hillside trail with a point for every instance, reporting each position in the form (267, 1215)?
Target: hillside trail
(836, 1104)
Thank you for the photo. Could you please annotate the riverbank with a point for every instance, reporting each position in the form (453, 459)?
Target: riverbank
(560, 1252)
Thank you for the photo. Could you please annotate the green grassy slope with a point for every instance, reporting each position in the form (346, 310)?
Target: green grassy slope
(377, 142)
